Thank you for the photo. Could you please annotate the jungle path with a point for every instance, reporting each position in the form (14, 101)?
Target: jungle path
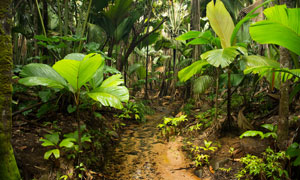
(142, 154)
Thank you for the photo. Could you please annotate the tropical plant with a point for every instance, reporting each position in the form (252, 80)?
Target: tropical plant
(170, 126)
(272, 128)
(269, 166)
(281, 27)
(52, 140)
(222, 24)
(293, 151)
(201, 153)
(73, 73)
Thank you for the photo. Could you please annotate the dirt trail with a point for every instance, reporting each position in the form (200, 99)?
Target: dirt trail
(142, 155)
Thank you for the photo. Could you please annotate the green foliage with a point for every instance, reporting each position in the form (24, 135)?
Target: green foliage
(223, 57)
(52, 140)
(55, 44)
(187, 108)
(201, 154)
(196, 127)
(41, 74)
(281, 28)
(227, 170)
(249, 16)
(262, 135)
(110, 93)
(202, 83)
(72, 75)
(294, 152)
(206, 117)
(197, 37)
(170, 126)
(221, 21)
(139, 69)
(269, 166)
(78, 73)
(135, 110)
(68, 144)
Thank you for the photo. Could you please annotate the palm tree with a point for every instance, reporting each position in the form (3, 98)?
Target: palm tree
(8, 165)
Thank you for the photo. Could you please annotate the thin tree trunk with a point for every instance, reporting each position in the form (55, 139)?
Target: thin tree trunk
(283, 124)
(66, 25)
(147, 61)
(229, 100)
(110, 51)
(195, 25)
(36, 30)
(147, 56)
(217, 95)
(8, 166)
(59, 17)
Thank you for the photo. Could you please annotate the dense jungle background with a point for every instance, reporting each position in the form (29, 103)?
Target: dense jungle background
(149, 89)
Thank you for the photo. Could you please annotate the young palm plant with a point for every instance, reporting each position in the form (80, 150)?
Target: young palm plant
(281, 27)
(222, 24)
(72, 74)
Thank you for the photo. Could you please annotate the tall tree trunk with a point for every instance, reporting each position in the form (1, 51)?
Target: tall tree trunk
(283, 124)
(66, 25)
(229, 123)
(195, 25)
(8, 166)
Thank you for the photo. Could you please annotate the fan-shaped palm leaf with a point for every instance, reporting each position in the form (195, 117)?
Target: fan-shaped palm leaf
(282, 27)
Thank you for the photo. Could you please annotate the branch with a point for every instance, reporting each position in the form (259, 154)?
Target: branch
(134, 44)
(31, 107)
(155, 29)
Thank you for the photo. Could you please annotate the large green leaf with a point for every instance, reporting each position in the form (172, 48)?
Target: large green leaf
(221, 21)
(75, 56)
(54, 137)
(221, 57)
(110, 93)
(282, 27)
(98, 76)
(69, 70)
(254, 60)
(77, 73)
(264, 67)
(67, 142)
(112, 96)
(40, 81)
(252, 134)
(188, 35)
(114, 80)
(42, 73)
(46, 142)
(202, 83)
(204, 38)
(55, 152)
(186, 73)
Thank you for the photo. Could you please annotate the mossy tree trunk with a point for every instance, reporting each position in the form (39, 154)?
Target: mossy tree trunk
(8, 166)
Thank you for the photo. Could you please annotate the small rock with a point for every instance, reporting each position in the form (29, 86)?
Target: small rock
(217, 163)
(198, 172)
